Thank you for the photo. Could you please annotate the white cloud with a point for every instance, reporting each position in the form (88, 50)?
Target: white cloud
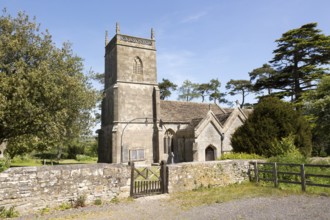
(194, 17)
(175, 65)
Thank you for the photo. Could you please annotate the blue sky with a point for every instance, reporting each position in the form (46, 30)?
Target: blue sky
(195, 40)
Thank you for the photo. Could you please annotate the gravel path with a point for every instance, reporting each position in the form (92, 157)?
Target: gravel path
(160, 207)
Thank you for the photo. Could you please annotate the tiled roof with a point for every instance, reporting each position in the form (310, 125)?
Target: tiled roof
(177, 111)
(223, 117)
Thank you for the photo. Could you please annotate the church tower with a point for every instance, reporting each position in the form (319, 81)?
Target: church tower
(130, 106)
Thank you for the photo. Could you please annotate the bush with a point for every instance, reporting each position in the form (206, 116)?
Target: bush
(98, 202)
(10, 213)
(4, 164)
(64, 206)
(272, 120)
(81, 157)
(74, 150)
(80, 202)
(293, 156)
(239, 156)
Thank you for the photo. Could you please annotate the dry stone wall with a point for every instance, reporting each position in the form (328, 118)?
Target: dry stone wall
(192, 175)
(33, 188)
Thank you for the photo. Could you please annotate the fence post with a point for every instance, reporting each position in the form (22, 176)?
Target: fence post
(249, 171)
(303, 179)
(275, 177)
(132, 179)
(256, 171)
(163, 175)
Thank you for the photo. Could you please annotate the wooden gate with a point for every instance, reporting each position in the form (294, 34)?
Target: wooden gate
(148, 180)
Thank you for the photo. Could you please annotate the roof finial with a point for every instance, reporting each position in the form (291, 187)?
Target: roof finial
(106, 38)
(152, 34)
(117, 28)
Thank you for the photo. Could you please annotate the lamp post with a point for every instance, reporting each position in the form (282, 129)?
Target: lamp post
(129, 122)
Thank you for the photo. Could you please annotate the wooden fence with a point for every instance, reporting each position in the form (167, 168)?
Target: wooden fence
(148, 180)
(303, 174)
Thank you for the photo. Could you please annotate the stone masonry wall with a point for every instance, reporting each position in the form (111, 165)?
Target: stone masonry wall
(192, 175)
(33, 188)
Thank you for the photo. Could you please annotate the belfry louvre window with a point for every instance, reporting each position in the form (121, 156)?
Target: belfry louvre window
(137, 66)
(136, 154)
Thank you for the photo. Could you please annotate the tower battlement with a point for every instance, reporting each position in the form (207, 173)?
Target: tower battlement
(132, 41)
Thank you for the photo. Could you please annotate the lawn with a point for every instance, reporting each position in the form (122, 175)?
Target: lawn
(203, 196)
(16, 162)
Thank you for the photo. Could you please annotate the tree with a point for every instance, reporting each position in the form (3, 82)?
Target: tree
(241, 86)
(188, 91)
(262, 77)
(45, 97)
(317, 106)
(299, 59)
(203, 90)
(215, 94)
(165, 88)
(271, 121)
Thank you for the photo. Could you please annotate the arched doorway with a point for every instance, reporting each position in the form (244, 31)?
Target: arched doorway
(209, 153)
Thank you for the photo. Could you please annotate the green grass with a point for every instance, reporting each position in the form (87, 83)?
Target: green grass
(204, 196)
(37, 162)
(245, 156)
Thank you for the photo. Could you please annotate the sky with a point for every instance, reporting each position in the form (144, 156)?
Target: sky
(195, 40)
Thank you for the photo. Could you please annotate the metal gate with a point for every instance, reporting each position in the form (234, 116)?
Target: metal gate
(148, 180)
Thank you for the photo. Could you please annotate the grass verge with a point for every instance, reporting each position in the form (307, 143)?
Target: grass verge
(38, 162)
(204, 196)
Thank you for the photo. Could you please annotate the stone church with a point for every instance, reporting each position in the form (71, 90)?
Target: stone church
(137, 126)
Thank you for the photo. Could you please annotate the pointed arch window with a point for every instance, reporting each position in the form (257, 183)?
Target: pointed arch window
(137, 66)
(168, 141)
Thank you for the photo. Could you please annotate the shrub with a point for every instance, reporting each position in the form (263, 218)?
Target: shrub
(4, 164)
(10, 213)
(80, 202)
(74, 150)
(272, 120)
(98, 202)
(82, 157)
(292, 156)
(239, 156)
(45, 210)
(114, 200)
(65, 206)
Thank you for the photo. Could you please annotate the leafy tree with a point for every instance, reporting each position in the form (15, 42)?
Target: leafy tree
(241, 86)
(203, 90)
(262, 78)
(215, 94)
(317, 107)
(299, 60)
(188, 91)
(271, 121)
(44, 95)
(211, 89)
(165, 88)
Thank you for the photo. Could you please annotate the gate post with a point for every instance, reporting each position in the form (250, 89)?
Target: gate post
(256, 173)
(132, 179)
(163, 176)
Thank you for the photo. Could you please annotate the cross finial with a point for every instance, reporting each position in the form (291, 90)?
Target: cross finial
(106, 38)
(152, 34)
(117, 28)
